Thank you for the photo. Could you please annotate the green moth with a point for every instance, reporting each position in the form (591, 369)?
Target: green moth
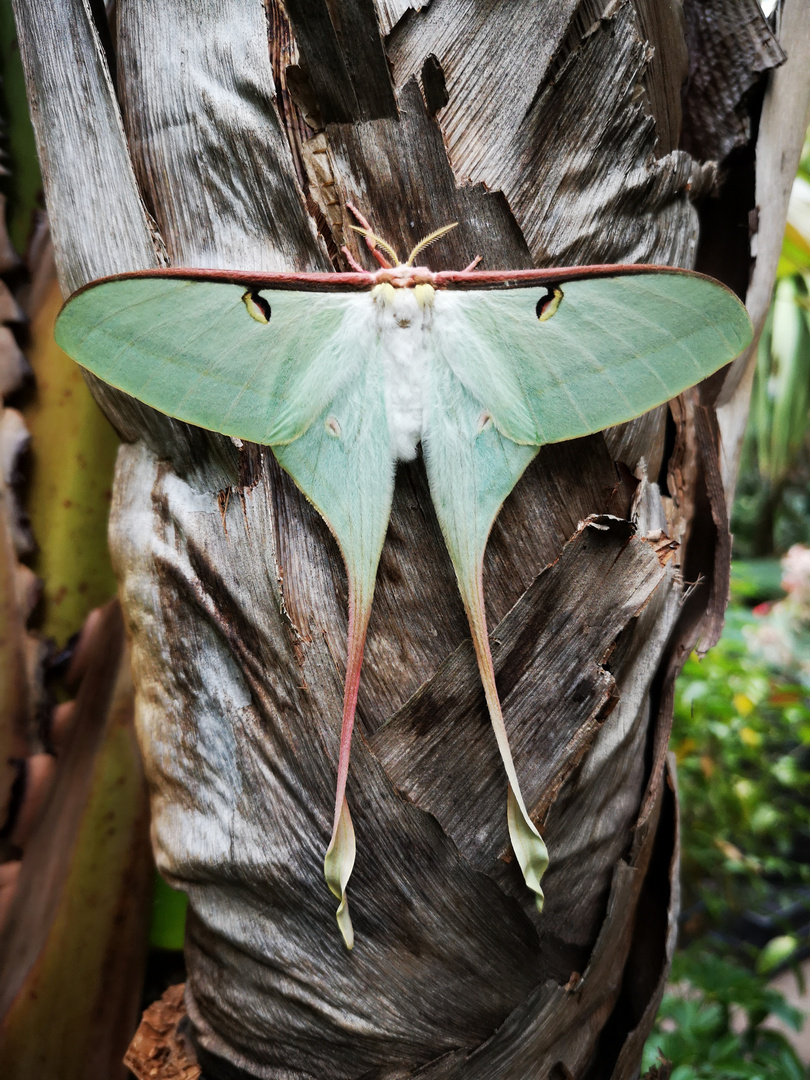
(346, 374)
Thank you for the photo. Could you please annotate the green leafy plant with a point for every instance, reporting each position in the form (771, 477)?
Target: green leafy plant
(741, 736)
(713, 1023)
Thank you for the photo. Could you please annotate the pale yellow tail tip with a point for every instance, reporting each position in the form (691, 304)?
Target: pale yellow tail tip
(345, 923)
(337, 868)
(527, 844)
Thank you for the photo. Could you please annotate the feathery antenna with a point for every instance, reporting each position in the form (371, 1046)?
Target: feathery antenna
(375, 241)
(437, 234)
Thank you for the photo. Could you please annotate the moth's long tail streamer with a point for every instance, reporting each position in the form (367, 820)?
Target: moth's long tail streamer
(339, 859)
(471, 469)
(527, 843)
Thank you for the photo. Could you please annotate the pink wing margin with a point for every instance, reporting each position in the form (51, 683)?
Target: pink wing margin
(328, 281)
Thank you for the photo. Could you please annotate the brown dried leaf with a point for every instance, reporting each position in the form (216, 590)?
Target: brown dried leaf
(159, 1050)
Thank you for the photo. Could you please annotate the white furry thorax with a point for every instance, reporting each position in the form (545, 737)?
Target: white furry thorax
(403, 315)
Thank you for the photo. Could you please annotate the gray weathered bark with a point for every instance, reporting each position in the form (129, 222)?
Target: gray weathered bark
(550, 132)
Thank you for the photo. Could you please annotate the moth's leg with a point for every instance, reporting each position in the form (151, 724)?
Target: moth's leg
(353, 263)
(360, 219)
(472, 265)
(372, 239)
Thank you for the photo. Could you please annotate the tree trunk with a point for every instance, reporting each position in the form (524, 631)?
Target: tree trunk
(551, 132)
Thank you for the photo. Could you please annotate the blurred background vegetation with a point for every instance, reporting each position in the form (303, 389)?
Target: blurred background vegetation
(741, 736)
(742, 739)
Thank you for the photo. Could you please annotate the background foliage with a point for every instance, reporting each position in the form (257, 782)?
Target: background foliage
(742, 735)
(772, 510)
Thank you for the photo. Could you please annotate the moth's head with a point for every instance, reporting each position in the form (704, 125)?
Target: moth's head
(403, 307)
(403, 276)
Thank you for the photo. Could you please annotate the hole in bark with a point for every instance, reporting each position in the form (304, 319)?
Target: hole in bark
(560, 1071)
(434, 86)
(105, 29)
(670, 433)
(300, 90)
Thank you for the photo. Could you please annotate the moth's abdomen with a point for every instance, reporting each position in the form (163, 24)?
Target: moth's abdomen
(403, 320)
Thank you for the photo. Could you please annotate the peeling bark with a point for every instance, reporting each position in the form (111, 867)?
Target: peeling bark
(730, 46)
(550, 132)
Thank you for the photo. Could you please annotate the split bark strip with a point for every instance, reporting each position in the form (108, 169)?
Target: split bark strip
(98, 222)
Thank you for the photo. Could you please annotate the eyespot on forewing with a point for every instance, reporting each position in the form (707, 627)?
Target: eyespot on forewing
(548, 304)
(257, 307)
